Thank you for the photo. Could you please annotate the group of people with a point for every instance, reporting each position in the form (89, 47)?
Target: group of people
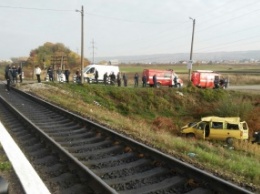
(144, 80)
(11, 74)
(112, 78)
(50, 74)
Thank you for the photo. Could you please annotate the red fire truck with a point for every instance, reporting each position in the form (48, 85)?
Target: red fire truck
(208, 79)
(164, 78)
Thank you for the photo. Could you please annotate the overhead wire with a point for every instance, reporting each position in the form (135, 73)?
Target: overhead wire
(33, 8)
(153, 22)
(228, 43)
(248, 13)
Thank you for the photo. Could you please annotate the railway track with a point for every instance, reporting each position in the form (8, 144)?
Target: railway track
(75, 155)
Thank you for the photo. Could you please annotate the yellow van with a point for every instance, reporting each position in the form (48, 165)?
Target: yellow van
(217, 128)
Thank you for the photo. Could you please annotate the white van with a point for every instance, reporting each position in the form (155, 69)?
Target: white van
(90, 70)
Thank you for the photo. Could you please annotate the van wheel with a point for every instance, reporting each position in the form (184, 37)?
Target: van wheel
(190, 135)
(230, 141)
(158, 85)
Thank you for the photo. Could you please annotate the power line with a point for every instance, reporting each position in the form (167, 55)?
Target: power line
(132, 21)
(231, 33)
(214, 25)
(229, 12)
(86, 13)
(33, 8)
(232, 42)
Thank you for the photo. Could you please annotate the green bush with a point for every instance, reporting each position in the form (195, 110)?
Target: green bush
(227, 107)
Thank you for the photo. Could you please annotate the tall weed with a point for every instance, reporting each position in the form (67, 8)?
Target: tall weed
(228, 107)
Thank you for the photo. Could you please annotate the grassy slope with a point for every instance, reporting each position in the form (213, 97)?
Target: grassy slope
(154, 116)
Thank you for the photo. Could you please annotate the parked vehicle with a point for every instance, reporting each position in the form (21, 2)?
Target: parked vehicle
(164, 78)
(217, 128)
(208, 79)
(90, 70)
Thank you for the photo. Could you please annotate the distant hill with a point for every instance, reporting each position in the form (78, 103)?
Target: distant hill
(170, 58)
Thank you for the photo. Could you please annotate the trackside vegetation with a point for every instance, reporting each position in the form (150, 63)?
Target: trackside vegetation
(154, 116)
(5, 165)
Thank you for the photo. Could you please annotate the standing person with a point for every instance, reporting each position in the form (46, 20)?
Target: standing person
(175, 81)
(96, 76)
(216, 82)
(136, 78)
(50, 74)
(78, 78)
(67, 75)
(38, 73)
(59, 75)
(8, 76)
(154, 81)
(112, 78)
(20, 73)
(125, 79)
(118, 77)
(144, 80)
(105, 78)
(14, 74)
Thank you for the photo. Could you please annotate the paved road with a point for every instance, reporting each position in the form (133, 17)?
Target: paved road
(255, 88)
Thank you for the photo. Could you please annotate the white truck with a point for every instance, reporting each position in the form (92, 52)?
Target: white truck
(90, 70)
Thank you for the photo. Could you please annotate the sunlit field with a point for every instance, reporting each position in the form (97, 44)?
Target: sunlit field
(238, 74)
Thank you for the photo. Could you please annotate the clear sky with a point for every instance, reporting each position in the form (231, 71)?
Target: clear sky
(129, 27)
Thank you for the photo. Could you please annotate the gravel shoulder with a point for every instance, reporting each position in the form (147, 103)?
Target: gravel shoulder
(15, 186)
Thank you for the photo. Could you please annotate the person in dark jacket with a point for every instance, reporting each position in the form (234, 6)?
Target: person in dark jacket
(96, 76)
(8, 76)
(67, 75)
(154, 81)
(105, 78)
(175, 81)
(136, 78)
(78, 76)
(112, 78)
(118, 78)
(144, 79)
(20, 72)
(125, 79)
(50, 74)
(14, 74)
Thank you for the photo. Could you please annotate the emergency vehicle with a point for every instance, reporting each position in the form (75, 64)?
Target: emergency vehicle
(163, 77)
(208, 79)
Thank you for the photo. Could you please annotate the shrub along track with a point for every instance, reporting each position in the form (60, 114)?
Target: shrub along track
(75, 155)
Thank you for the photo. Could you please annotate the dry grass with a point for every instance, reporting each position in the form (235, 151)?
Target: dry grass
(162, 134)
(241, 79)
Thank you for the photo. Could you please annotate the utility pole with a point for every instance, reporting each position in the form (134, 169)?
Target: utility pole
(93, 51)
(191, 50)
(82, 42)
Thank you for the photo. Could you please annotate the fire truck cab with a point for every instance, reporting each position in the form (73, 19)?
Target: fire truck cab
(207, 79)
(164, 78)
